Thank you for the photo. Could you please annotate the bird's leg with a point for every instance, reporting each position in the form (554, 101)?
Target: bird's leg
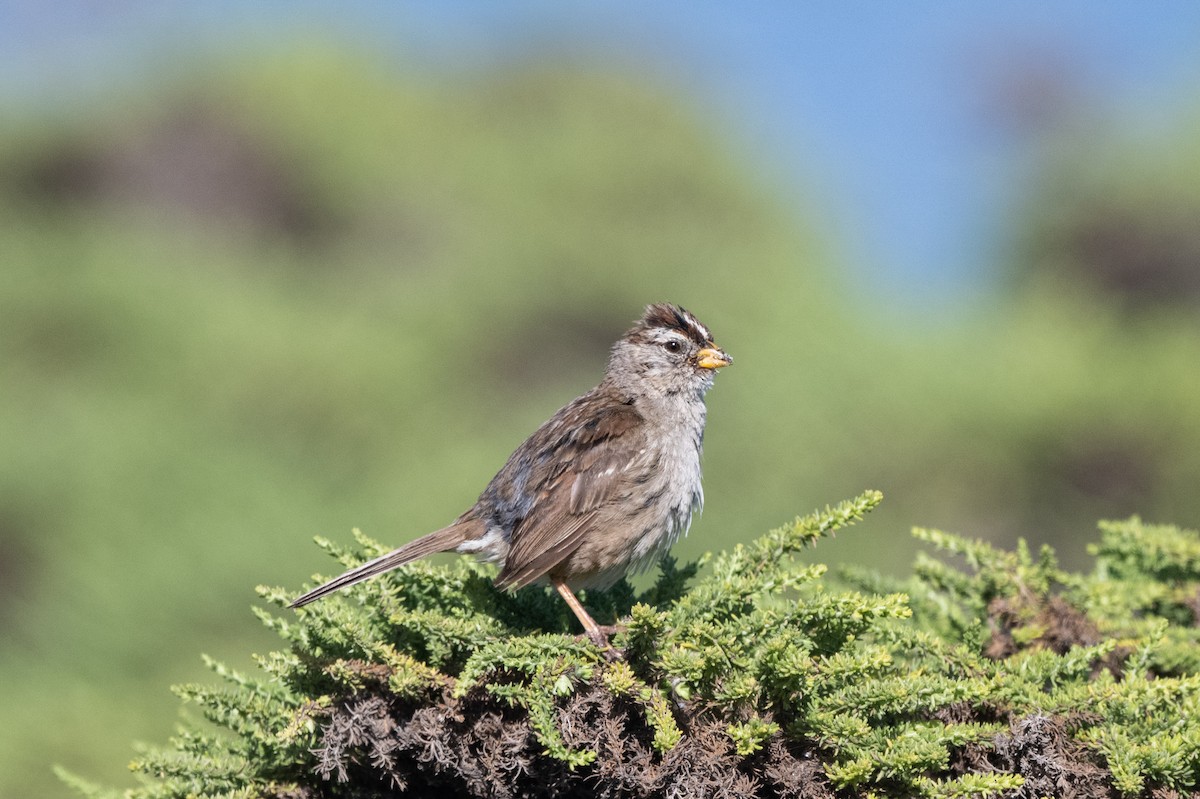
(589, 624)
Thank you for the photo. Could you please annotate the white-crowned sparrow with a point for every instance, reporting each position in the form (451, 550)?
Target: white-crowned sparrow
(605, 486)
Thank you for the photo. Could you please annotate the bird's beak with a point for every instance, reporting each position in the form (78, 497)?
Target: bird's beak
(712, 358)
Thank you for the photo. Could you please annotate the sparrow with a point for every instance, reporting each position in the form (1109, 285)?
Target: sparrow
(604, 487)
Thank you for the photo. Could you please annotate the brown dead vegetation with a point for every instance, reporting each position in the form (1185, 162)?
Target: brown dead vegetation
(475, 746)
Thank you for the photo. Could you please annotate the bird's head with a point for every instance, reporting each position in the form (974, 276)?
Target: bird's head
(667, 352)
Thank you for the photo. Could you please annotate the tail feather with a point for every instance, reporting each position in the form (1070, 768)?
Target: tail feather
(438, 541)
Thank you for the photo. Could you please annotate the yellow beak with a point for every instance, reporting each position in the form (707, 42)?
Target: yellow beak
(712, 358)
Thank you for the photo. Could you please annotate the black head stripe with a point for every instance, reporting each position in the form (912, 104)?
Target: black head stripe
(672, 317)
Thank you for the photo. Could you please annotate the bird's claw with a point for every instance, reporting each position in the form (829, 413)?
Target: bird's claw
(599, 637)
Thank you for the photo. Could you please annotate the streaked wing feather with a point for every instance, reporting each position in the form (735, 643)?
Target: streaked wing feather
(590, 467)
(550, 538)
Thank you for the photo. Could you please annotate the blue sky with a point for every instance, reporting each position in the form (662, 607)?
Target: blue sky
(883, 114)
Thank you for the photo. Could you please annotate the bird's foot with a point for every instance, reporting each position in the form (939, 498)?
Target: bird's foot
(599, 636)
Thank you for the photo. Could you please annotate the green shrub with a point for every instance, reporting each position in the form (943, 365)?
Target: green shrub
(759, 677)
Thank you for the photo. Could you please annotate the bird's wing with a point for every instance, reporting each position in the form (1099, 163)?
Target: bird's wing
(586, 470)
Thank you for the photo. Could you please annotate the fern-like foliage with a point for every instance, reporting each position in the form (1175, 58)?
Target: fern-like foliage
(987, 673)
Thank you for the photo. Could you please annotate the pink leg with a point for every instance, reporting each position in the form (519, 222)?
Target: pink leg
(589, 624)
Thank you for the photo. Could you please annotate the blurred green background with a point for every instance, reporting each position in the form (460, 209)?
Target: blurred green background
(296, 289)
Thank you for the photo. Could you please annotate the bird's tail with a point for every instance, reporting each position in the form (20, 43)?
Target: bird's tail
(438, 541)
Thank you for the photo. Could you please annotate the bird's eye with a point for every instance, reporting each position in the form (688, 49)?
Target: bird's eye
(673, 345)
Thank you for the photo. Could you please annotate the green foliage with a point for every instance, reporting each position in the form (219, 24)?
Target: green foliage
(761, 677)
(748, 737)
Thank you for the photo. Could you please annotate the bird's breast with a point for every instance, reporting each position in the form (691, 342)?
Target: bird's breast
(653, 512)
(675, 493)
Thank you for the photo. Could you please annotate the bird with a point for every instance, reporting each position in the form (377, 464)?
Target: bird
(604, 487)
